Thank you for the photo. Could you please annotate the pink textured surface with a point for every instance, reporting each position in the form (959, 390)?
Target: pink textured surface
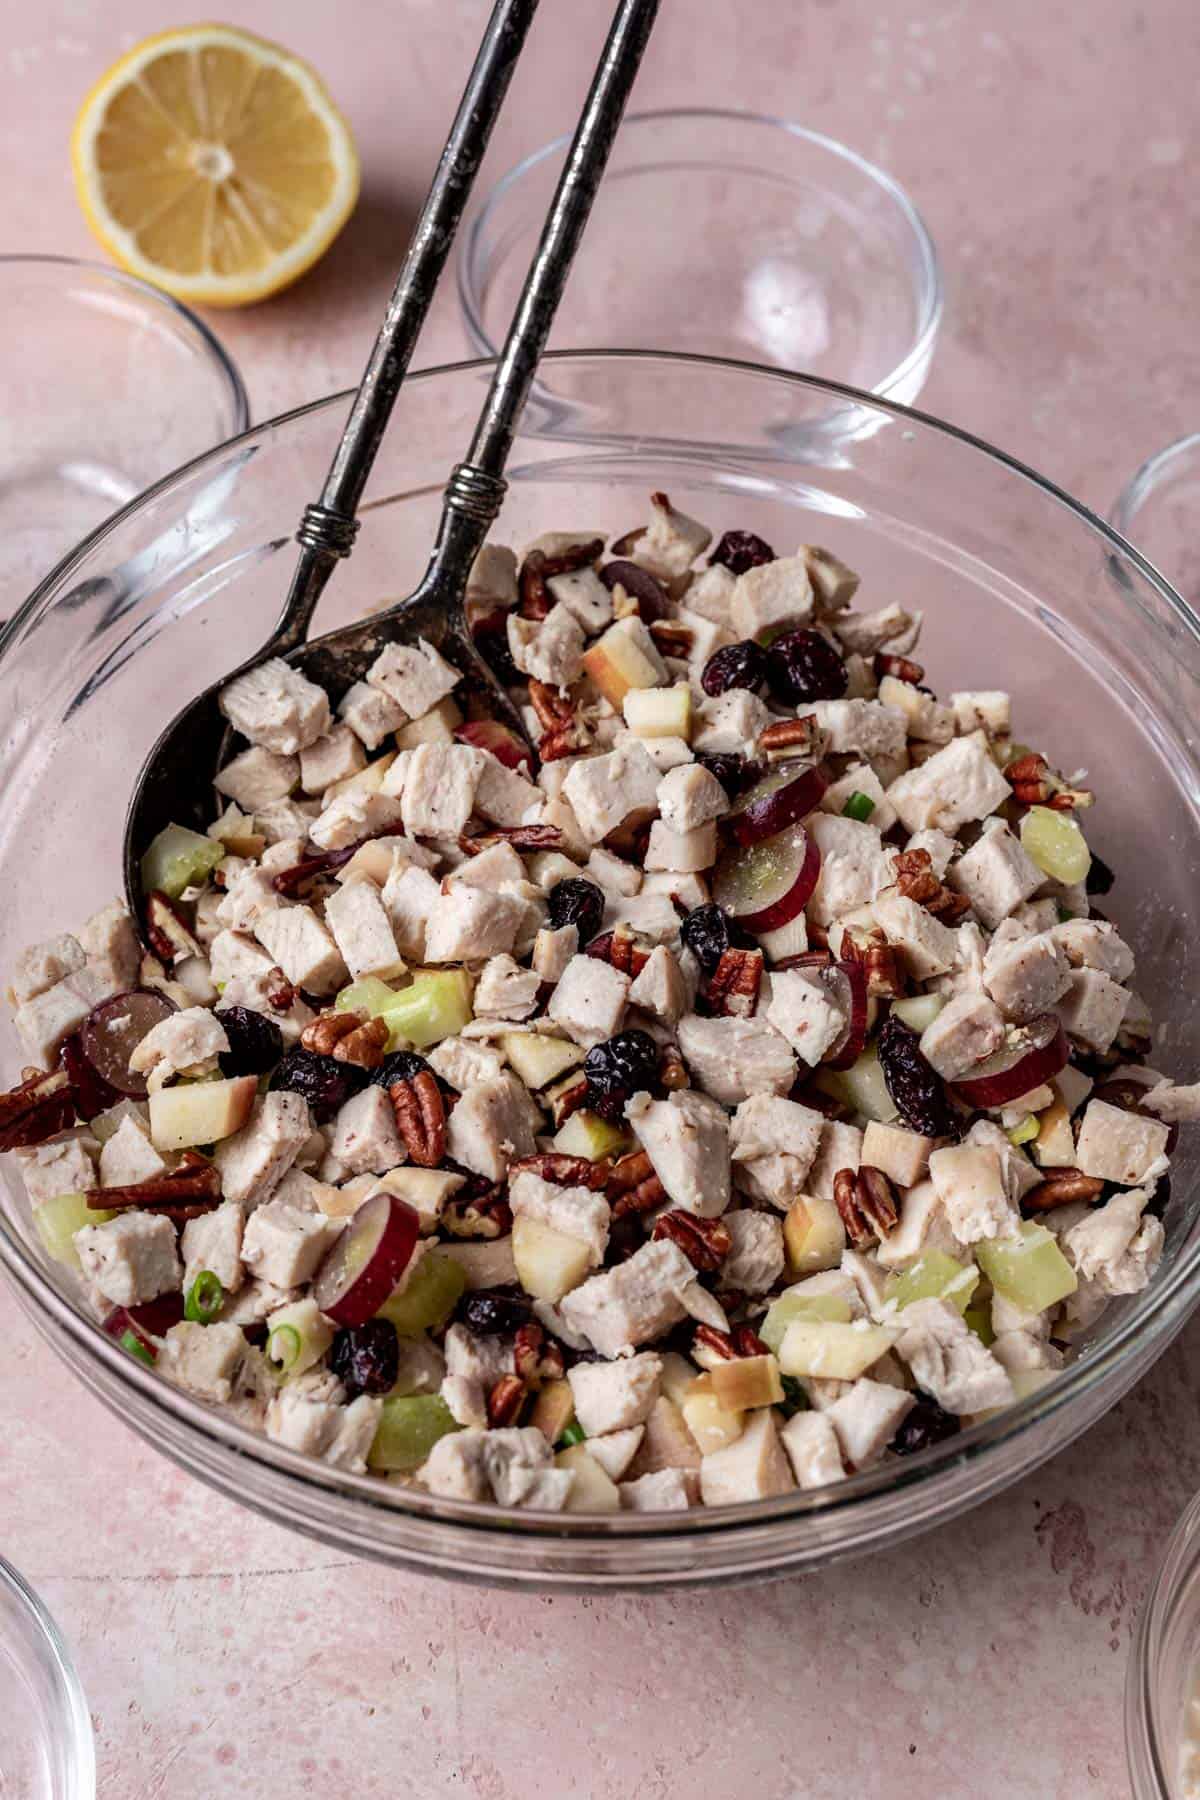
(1050, 149)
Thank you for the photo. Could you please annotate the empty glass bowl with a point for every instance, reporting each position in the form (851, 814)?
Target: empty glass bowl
(1015, 581)
(46, 1746)
(107, 386)
(1159, 511)
(723, 234)
(1162, 1688)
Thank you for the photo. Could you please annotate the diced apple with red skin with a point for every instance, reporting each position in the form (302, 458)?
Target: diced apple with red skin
(766, 884)
(200, 1112)
(1034, 1054)
(363, 1268)
(790, 792)
(504, 745)
(617, 663)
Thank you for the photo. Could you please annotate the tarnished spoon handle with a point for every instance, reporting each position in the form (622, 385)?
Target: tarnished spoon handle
(476, 488)
(328, 527)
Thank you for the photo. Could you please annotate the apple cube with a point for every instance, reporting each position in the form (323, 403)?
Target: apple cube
(425, 1296)
(919, 1011)
(659, 712)
(1029, 1270)
(827, 1350)
(616, 662)
(200, 1112)
(553, 1410)
(409, 1426)
(711, 1423)
(538, 1059)
(790, 1307)
(592, 1490)
(367, 781)
(813, 1235)
(862, 1087)
(934, 1276)
(1054, 1146)
(587, 1134)
(549, 1263)
(747, 1382)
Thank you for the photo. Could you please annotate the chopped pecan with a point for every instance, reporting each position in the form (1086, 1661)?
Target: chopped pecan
(732, 988)
(364, 1047)
(281, 995)
(1061, 1187)
(521, 837)
(792, 735)
(621, 949)
(538, 568)
(632, 1185)
(506, 1401)
(806, 959)
(535, 1357)
(901, 668)
(727, 1346)
(672, 639)
(486, 1215)
(705, 1242)
(167, 929)
(672, 1070)
(41, 1105)
(563, 1171)
(1035, 783)
(326, 1033)
(566, 1096)
(564, 731)
(866, 1203)
(886, 979)
(191, 1188)
(916, 881)
(420, 1117)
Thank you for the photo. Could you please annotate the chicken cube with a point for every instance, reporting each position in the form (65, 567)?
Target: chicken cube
(924, 1225)
(285, 1246)
(867, 1418)
(339, 1435)
(615, 1396)
(366, 1139)
(589, 1001)
(334, 757)
(955, 786)
(689, 797)
(663, 1490)
(276, 707)
(860, 779)
(132, 1258)
(733, 1058)
(949, 1361)
(362, 931)
(410, 898)
(1120, 1146)
(755, 1260)
(728, 722)
(684, 852)
(840, 1148)
(62, 1165)
(774, 1144)
(813, 1449)
(470, 924)
(1114, 1247)
(128, 1157)
(549, 650)
(1093, 1007)
(370, 713)
(414, 676)
(463, 1063)
(996, 875)
(660, 988)
(257, 777)
(299, 943)
(671, 542)
(585, 597)
(43, 965)
(753, 1467)
(205, 1360)
(255, 1159)
(863, 727)
(440, 784)
(1094, 944)
(970, 1184)
(506, 798)
(968, 1029)
(113, 951)
(804, 1009)
(854, 867)
(505, 990)
(772, 597)
(492, 1124)
(48, 1019)
(686, 1137)
(1026, 976)
(185, 1043)
(572, 1211)
(214, 1242)
(632, 1303)
(926, 946)
(604, 791)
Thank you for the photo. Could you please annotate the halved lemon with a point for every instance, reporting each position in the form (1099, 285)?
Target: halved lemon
(213, 164)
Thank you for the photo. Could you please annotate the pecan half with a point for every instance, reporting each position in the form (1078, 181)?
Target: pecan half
(1035, 783)
(732, 989)
(191, 1188)
(807, 959)
(867, 1204)
(564, 733)
(485, 1215)
(521, 837)
(792, 735)
(672, 639)
(705, 1242)
(563, 1171)
(916, 881)
(901, 668)
(364, 1047)
(420, 1117)
(535, 1357)
(672, 1070)
(538, 568)
(167, 929)
(632, 1186)
(566, 1096)
(41, 1105)
(325, 1034)
(281, 995)
(886, 979)
(1061, 1187)
(727, 1346)
(621, 949)
(506, 1401)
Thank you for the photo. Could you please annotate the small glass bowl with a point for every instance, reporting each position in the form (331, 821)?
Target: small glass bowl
(46, 1746)
(723, 234)
(1159, 511)
(108, 386)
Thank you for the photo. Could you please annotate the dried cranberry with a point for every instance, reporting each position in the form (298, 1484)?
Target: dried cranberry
(324, 1083)
(734, 772)
(708, 931)
(742, 550)
(619, 1068)
(491, 640)
(802, 665)
(255, 1042)
(916, 1088)
(927, 1423)
(366, 1358)
(741, 665)
(626, 1236)
(401, 1065)
(1099, 878)
(576, 902)
(493, 1312)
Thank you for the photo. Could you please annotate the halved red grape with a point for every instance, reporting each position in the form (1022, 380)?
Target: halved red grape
(504, 745)
(124, 1324)
(848, 983)
(1034, 1054)
(93, 1095)
(789, 791)
(764, 885)
(113, 1030)
(367, 1261)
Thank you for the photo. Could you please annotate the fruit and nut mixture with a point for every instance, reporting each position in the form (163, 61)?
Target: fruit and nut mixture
(737, 1092)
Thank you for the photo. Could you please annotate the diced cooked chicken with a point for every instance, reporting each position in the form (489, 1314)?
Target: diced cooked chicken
(868, 632)
(632, 1303)
(860, 778)
(370, 714)
(365, 1136)
(550, 649)
(440, 783)
(492, 580)
(510, 1466)
(214, 1242)
(969, 1181)
(968, 1029)
(585, 597)
(732, 1058)
(131, 1258)
(1093, 1008)
(1026, 976)
(671, 542)
(572, 1211)
(774, 1143)
(1094, 944)
(955, 786)
(755, 1260)
(1120, 1146)
(924, 1225)
(334, 757)
(689, 797)
(590, 1000)
(285, 1246)
(663, 1490)
(339, 1435)
(470, 924)
(812, 1449)
(300, 944)
(949, 1361)
(686, 1137)
(926, 946)
(410, 897)
(854, 867)
(505, 990)
(775, 596)
(44, 965)
(753, 1467)
(186, 1043)
(996, 875)
(257, 777)
(277, 707)
(1116, 1247)
(615, 1396)
(684, 852)
(129, 1157)
(661, 988)
(840, 1148)
(493, 1123)
(250, 894)
(864, 727)
(505, 797)
(728, 722)
(205, 1360)
(1172, 1102)
(44, 1022)
(867, 1418)
(63, 1165)
(604, 791)
(414, 676)
(255, 1159)
(805, 1009)
(362, 931)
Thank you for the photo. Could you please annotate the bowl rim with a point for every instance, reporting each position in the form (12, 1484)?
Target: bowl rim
(74, 1718)
(1152, 1751)
(155, 300)
(928, 286)
(1164, 1305)
(1146, 477)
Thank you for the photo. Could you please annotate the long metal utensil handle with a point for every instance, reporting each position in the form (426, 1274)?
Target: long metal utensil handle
(477, 486)
(328, 527)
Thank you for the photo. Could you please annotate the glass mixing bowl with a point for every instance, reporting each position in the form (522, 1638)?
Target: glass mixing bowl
(1022, 589)
(1162, 1685)
(47, 1750)
(1159, 511)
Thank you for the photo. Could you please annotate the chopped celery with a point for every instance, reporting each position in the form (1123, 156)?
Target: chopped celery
(979, 1320)
(859, 806)
(790, 1307)
(587, 1134)
(1055, 843)
(435, 1005)
(58, 1219)
(1029, 1270)
(370, 995)
(573, 1434)
(1025, 1132)
(861, 1087)
(933, 1276)
(409, 1427)
(919, 1011)
(427, 1298)
(178, 859)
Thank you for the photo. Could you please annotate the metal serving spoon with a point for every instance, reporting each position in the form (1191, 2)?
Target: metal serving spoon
(175, 783)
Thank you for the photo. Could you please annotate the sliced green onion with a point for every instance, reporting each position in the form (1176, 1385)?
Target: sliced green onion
(1063, 915)
(284, 1346)
(859, 806)
(129, 1340)
(573, 1434)
(204, 1299)
(1026, 1131)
